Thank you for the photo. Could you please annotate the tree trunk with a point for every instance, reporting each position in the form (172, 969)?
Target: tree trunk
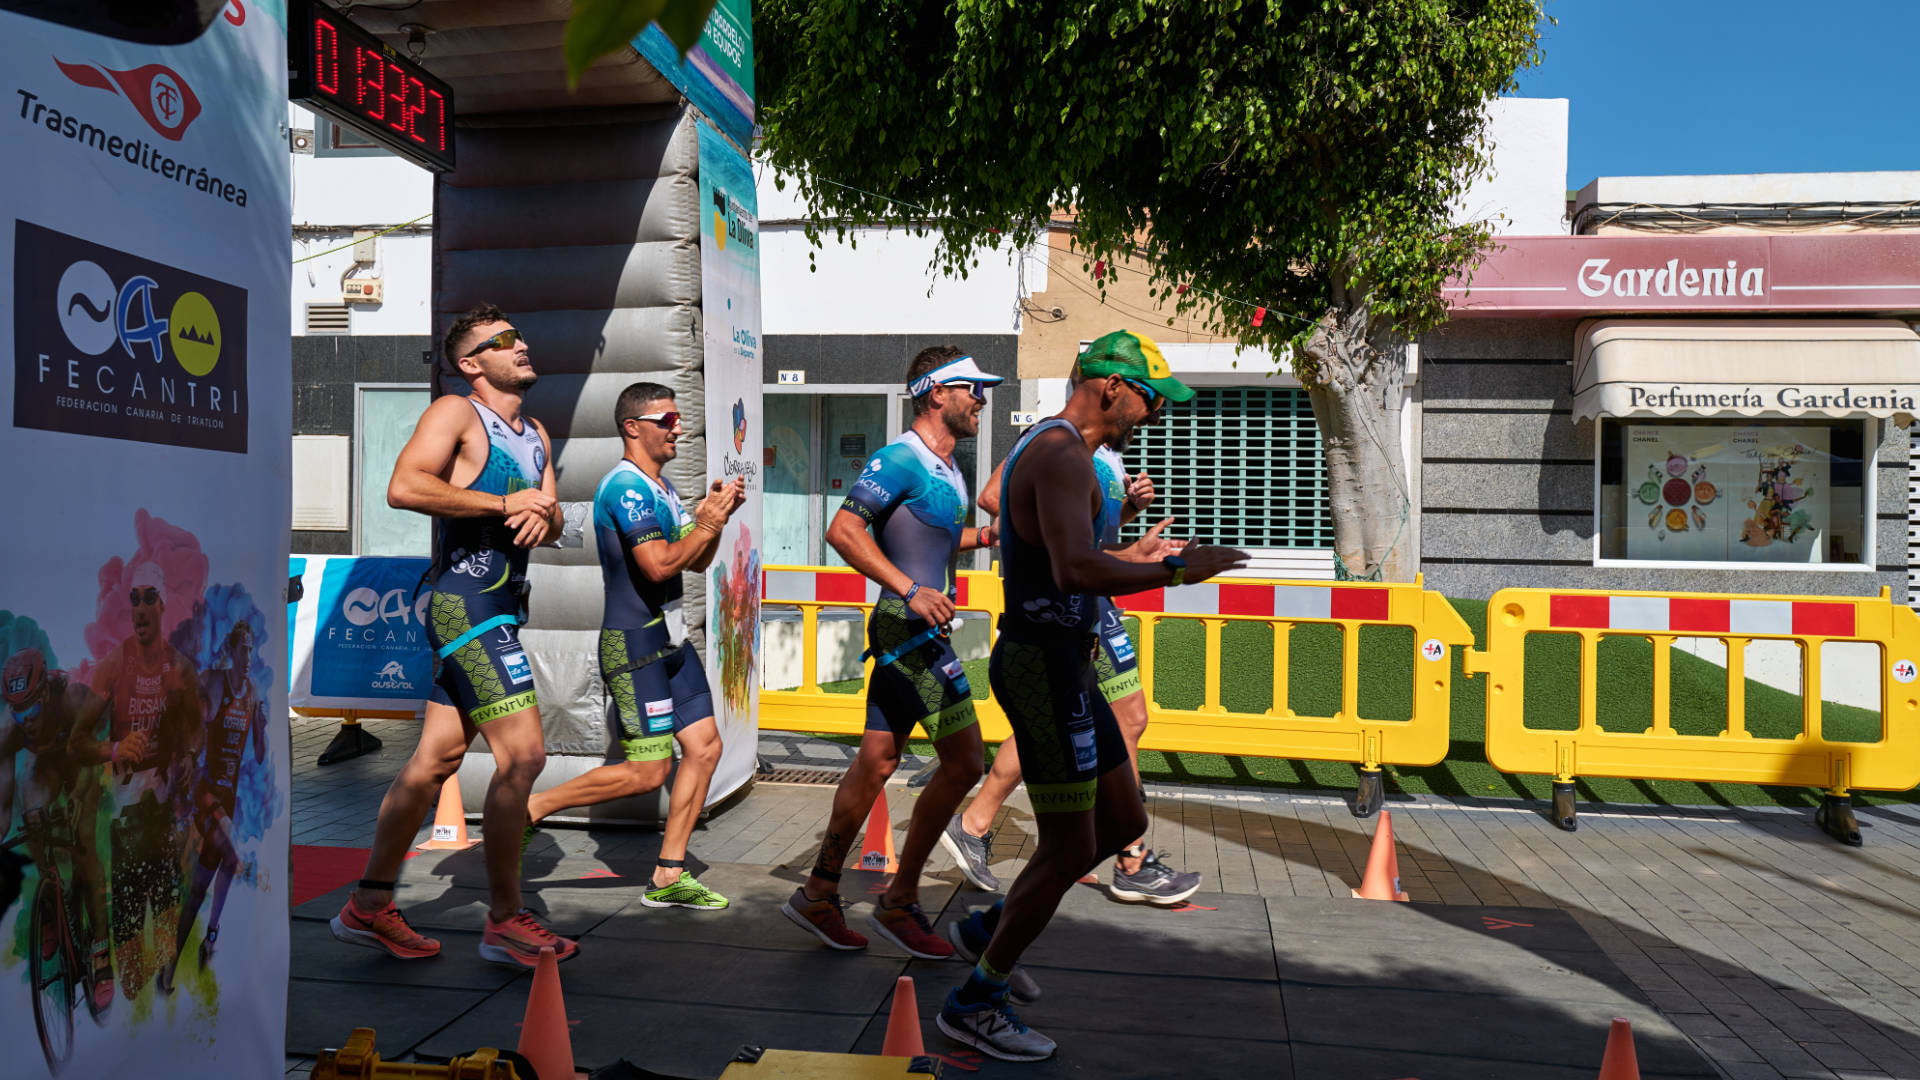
(1356, 391)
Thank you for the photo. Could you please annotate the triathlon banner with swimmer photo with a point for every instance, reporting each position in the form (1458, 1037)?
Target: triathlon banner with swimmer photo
(143, 735)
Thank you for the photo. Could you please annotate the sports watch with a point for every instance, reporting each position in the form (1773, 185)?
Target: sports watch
(1179, 567)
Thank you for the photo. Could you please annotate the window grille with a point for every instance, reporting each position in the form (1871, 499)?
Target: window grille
(1237, 465)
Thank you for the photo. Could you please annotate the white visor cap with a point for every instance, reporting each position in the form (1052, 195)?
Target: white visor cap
(960, 369)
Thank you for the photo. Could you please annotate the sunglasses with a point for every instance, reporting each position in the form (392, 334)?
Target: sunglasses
(665, 420)
(502, 340)
(978, 390)
(1155, 401)
(148, 595)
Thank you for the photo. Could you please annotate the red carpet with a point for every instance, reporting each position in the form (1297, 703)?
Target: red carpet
(319, 869)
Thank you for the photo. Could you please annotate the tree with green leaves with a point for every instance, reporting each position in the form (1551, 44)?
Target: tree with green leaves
(1305, 156)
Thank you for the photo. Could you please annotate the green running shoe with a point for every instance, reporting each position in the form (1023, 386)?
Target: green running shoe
(684, 892)
(526, 837)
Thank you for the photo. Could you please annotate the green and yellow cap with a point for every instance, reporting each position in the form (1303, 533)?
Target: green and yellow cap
(1133, 356)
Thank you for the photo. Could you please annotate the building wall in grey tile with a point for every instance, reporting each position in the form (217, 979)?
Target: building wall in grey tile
(1513, 387)
(1559, 487)
(327, 366)
(1549, 436)
(314, 542)
(1559, 537)
(1500, 340)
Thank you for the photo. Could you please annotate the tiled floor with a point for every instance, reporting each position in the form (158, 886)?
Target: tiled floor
(1742, 942)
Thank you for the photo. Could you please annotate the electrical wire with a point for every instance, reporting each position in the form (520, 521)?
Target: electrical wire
(363, 239)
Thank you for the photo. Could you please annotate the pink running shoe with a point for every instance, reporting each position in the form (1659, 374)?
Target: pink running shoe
(518, 941)
(383, 929)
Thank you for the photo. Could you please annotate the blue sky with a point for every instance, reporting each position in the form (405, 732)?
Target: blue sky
(1733, 86)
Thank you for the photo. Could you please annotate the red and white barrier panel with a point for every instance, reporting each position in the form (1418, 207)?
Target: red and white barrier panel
(826, 587)
(1267, 601)
(1702, 615)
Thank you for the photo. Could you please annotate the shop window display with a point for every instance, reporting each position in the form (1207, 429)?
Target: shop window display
(1745, 492)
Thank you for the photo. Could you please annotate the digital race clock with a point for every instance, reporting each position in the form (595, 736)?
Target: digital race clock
(344, 71)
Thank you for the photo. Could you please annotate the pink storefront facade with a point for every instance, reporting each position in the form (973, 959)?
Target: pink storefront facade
(1726, 409)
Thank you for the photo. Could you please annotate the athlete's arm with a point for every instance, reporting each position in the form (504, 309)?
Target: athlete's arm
(660, 559)
(420, 474)
(534, 525)
(83, 743)
(1062, 512)
(189, 731)
(989, 499)
(1141, 488)
(849, 536)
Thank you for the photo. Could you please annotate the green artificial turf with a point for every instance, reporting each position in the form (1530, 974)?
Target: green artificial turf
(1697, 690)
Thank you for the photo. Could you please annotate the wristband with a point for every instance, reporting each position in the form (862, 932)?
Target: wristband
(503, 506)
(911, 589)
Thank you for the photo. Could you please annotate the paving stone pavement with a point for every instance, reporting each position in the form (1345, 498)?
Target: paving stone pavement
(1764, 945)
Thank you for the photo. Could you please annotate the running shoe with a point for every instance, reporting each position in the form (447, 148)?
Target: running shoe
(683, 892)
(206, 945)
(385, 929)
(526, 837)
(1154, 883)
(824, 918)
(992, 1028)
(908, 928)
(163, 979)
(969, 945)
(970, 854)
(518, 941)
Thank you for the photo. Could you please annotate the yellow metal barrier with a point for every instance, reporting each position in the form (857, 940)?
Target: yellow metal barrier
(814, 589)
(1734, 755)
(1369, 743)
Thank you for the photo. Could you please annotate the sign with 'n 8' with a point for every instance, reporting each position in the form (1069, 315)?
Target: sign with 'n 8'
(114, 345)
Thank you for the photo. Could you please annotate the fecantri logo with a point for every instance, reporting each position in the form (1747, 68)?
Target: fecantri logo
(110, 344)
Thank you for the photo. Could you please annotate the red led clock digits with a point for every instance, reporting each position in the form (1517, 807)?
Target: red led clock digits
(417, 90)
(326, 57)
(439, 121)
(372, 96)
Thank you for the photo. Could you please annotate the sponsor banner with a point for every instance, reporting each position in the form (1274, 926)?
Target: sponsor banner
(1584, 275)
(121, 347)
(359, 640)
(717, 73)
(143, 733)
(730, 312)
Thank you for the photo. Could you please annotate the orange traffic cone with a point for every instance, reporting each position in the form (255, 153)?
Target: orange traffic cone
(903, 1024)
(545, 1040)
(1382, 879)
(449, 821)
(876, 849)
(1620, 1062)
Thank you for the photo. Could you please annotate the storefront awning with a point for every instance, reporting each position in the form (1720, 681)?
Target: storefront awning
(1707, 367)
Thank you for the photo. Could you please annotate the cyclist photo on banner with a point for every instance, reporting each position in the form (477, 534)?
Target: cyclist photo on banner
(48, 846)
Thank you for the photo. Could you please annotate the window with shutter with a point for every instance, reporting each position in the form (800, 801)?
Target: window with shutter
(1238, 465)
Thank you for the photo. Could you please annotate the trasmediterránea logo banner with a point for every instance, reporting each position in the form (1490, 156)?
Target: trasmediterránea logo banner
(110, 344)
